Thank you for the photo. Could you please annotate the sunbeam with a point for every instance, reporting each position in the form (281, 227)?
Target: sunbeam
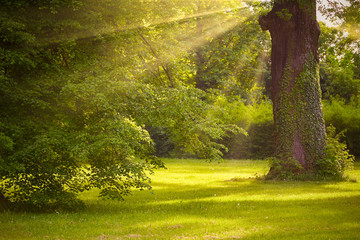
(96, 19)
(176, 40)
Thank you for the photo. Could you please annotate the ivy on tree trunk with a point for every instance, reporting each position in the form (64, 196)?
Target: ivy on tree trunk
(295, 88)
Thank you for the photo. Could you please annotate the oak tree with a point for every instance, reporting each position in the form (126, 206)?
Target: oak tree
(300, 138)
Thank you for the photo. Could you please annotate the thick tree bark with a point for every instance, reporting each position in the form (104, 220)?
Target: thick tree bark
(295, 88)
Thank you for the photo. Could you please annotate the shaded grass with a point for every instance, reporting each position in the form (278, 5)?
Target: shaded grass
(193, 199)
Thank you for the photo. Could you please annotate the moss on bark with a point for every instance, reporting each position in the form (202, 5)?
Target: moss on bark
(300, 126)
(298, 118)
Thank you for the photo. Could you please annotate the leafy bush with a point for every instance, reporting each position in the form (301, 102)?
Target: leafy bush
(345, 117)
(332, 166)
(164, 145)
(49, 169)
(336, 158)
(259, 125)
(286, 168)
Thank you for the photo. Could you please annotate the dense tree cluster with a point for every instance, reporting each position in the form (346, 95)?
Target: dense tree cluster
(82, 82)
(92, 92)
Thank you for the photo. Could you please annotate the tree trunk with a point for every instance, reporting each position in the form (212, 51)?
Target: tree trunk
(295, 87)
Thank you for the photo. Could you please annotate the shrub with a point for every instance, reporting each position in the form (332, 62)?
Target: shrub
(284, 169)
(259, 141)
(336, 158)
(345, 118)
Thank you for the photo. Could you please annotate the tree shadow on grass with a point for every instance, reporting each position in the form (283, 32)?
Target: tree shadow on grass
(240, 208)
(244, 187)
(246, 209)
(262, 218)
(171, 195)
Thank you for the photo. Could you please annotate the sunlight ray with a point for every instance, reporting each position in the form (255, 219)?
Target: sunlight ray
(190, 40)
(183, 19)
(210, 32)
(111, 22)
(259, 71)
(243, 61)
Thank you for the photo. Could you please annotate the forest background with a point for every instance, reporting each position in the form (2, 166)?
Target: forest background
(94, 92)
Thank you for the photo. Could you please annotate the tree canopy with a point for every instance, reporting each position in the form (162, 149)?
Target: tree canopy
(89, 90)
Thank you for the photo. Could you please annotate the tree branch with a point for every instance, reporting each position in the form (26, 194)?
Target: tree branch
(157, 57)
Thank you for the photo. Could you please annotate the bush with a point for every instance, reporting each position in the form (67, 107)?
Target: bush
(50, 170)
(259, 141)
(332, 166)
(336, 158)
(164, 145)
(345, 118)
(284, 169)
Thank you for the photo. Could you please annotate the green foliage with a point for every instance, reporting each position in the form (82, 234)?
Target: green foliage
(345, 117)
(346, 15)
(340, 83)
(81, 81)
(339, 68)
(89, 90)
(284, 168)
(332, 166)
(298, 113)
(50, 169)
(257, 120)
(164, 145)
(235, 62)
(336, 157)
(285, 14)
(261, 131)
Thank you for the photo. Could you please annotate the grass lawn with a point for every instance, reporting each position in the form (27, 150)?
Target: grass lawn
(193, 199)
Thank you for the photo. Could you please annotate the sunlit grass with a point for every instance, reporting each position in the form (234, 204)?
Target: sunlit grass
(193, 199)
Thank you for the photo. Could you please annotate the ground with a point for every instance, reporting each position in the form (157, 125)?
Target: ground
(193, 199)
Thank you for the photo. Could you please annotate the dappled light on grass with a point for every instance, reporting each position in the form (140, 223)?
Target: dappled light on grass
(188, 187)
(193, 199)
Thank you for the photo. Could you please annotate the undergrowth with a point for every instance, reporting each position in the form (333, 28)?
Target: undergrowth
(331, 167)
